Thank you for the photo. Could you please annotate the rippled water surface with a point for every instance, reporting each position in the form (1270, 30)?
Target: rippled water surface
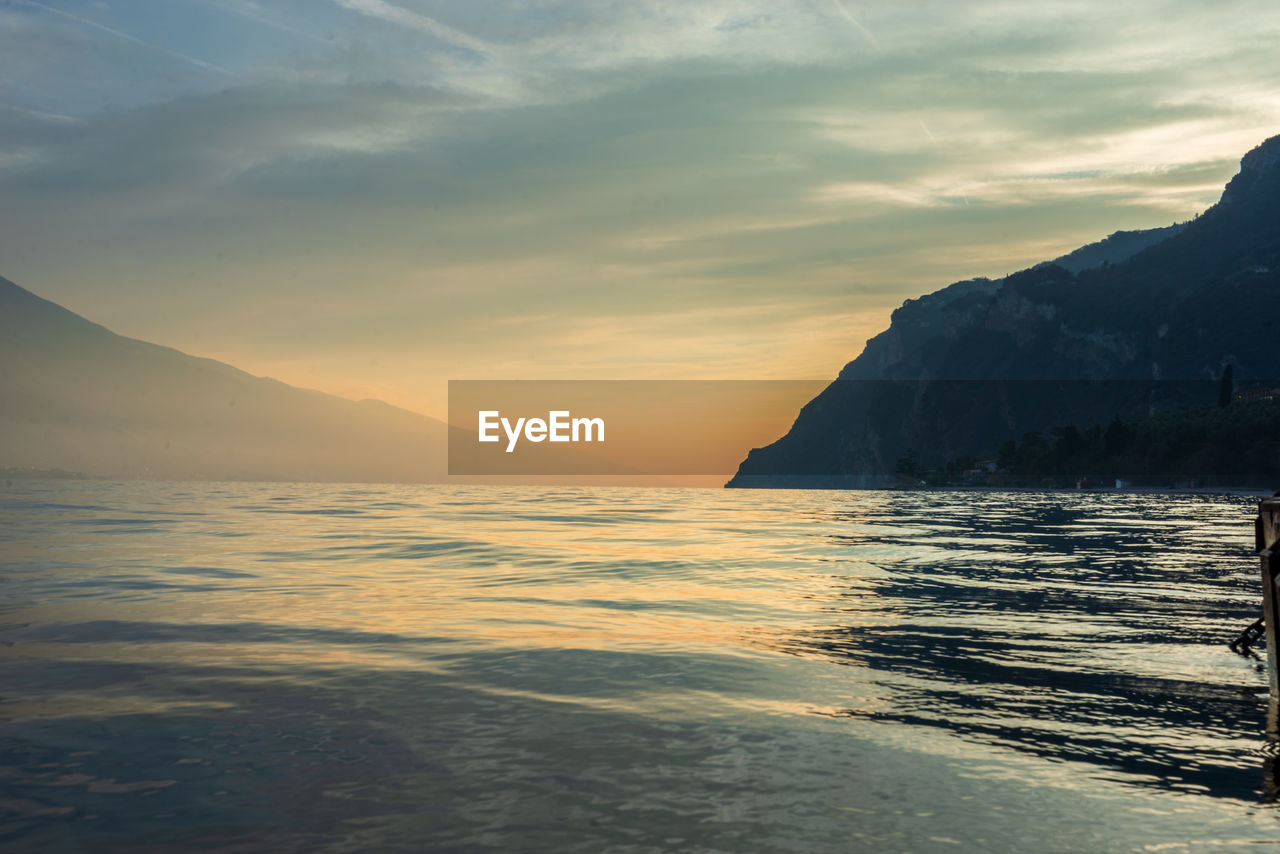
(272, 667)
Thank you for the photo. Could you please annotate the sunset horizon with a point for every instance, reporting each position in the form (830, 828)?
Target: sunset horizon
(371, 199)
(588, 427)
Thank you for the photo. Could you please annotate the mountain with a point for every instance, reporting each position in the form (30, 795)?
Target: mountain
(1125, 326)
(78, 397)
(1115, 247)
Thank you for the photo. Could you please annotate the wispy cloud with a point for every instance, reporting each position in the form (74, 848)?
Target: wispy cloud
(403, 17)
(857, 25)
(252, 11)
(114, 33)
(698, 164)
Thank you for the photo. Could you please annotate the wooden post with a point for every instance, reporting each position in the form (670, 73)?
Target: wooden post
(1267, 541)
(1270, 791)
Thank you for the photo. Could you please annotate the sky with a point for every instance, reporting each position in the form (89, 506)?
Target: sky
(372, 197)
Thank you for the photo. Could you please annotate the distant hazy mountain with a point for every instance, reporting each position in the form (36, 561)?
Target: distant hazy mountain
(76, 396)
(980, 361)
(1115, 247)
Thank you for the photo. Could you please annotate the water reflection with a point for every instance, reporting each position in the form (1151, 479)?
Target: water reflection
(1115, 657)
(1271, 753)
(266, 667)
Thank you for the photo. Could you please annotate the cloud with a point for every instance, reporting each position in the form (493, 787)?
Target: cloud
(133, 40)
(212, 139)
(399, 177)
(857, 25)
(403, 17)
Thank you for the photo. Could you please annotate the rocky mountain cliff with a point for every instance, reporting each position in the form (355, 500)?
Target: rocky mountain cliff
(1102, 331)
(78, 397)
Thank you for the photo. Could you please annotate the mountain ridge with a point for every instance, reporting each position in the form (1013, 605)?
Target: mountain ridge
(1185, 303)
(80, 397)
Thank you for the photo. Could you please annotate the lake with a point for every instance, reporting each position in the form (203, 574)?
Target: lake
(290, 667)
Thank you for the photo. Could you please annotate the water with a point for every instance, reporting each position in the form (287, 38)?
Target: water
(270, 667)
